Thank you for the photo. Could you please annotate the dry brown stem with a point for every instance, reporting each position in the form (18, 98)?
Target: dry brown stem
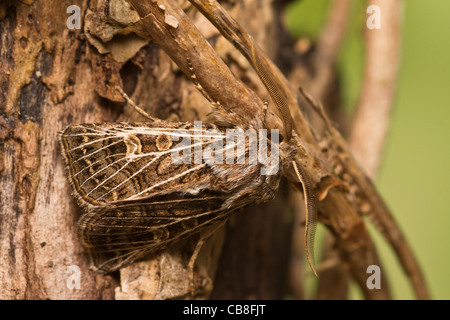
(372, 116)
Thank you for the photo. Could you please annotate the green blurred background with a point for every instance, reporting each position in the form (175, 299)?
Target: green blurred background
(414, 178)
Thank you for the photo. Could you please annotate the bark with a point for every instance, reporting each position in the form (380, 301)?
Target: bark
(46, 83)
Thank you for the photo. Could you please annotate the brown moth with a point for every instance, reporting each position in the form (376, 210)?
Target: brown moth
(138, 199)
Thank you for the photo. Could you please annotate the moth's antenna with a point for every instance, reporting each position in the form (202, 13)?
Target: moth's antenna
(311, 214)
(138, 109)
(277, 89)
(196, 83)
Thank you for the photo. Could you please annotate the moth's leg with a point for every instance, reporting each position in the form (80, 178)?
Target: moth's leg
(198, 85)
(205, 236)
(138, 109)
(191, 264)
(198, 247)
(214, 104)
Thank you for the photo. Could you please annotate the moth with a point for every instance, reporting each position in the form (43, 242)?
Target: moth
(137, 199)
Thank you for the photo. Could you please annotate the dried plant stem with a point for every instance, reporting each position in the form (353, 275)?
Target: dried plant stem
(372, 116)
(328, 47)
(371, 123)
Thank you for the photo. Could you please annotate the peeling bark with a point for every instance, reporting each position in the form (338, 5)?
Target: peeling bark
(38, 241)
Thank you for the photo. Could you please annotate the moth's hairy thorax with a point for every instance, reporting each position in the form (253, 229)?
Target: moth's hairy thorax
(245, 181)
(246, 184)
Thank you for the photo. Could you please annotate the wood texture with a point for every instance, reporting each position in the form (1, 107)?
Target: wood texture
(43, 64)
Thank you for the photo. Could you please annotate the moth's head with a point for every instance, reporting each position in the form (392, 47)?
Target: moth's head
(288, 151)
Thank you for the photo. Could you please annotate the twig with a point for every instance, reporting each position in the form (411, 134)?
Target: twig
(369, 201)
(328, 47)
(372, 117)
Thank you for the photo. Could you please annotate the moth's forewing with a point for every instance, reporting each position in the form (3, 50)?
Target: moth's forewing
(111, 162)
